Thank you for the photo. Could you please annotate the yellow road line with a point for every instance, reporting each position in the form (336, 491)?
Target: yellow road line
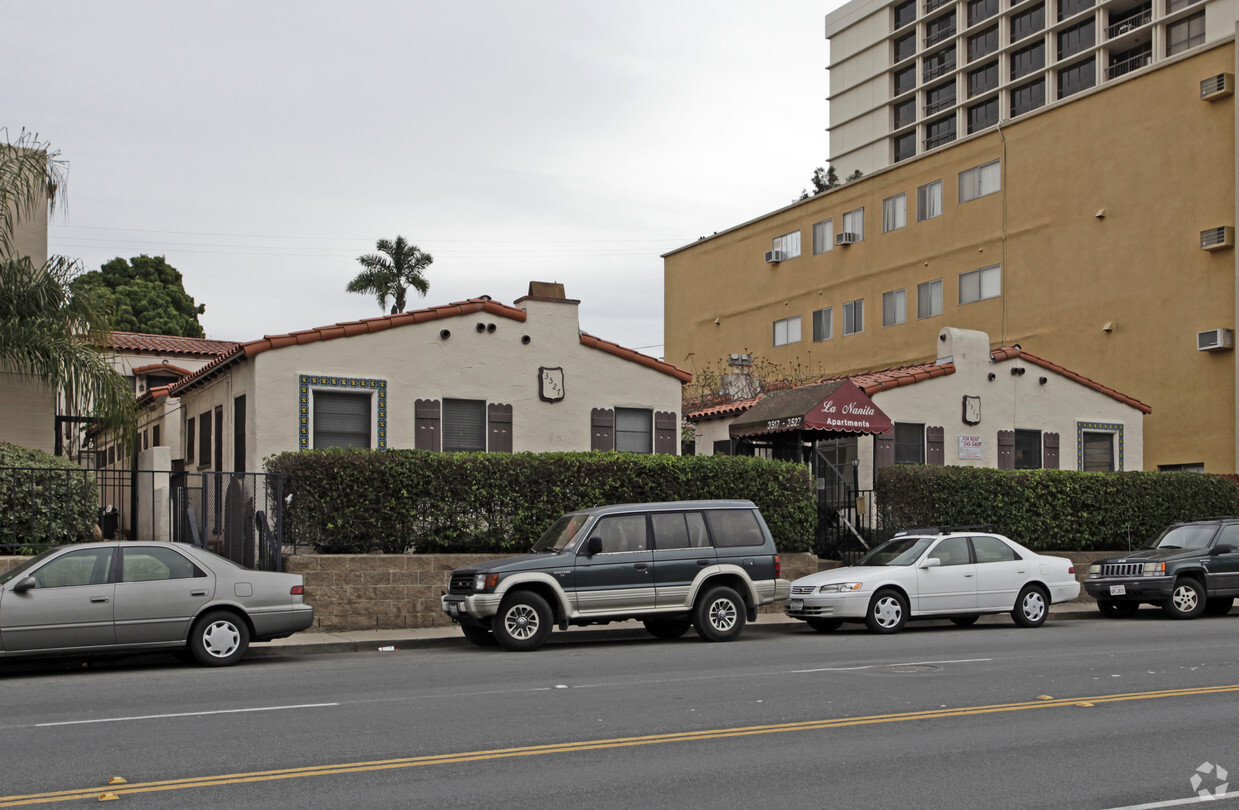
(589, 745)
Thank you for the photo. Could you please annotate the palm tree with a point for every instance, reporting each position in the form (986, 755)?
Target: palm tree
(47, 331)
(390, 275)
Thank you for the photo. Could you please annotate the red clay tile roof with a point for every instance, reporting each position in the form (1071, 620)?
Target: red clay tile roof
(169, 344)
(733, 408)
(872, 382)
(1014, 352)
(636, 357)
(164, 366)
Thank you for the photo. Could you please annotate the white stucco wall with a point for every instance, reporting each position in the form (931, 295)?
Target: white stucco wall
(27, 412)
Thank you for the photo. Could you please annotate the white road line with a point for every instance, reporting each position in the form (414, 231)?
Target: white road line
(187, 714)
(1179, 802)
(904, 664)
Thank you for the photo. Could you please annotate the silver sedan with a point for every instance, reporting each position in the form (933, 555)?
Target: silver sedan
(132, 596)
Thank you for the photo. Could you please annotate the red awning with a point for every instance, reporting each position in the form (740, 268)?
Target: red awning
(833, 407)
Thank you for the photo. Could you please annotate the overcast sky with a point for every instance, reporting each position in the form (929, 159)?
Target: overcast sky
(262, 146)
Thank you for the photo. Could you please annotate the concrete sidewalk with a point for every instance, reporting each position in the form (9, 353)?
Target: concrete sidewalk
(311, 643)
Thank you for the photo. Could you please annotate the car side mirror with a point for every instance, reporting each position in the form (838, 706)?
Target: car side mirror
(932, 562)
(24, 584)
(593, 546)
(1222, 548)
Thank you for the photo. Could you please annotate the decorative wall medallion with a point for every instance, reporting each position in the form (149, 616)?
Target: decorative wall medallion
(972, 410)
(551, 384)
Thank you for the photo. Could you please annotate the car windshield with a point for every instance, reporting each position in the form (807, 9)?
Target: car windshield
(19, 571)
(1184, 537)
(900, 551)
(561, 533)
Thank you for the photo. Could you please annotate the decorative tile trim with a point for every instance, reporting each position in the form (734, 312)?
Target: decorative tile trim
(307, 381)
(1098, 427)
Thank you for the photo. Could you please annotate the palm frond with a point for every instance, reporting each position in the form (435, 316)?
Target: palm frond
(32, 175)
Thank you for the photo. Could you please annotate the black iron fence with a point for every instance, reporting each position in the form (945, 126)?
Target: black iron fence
(847, 523)
(236, 515)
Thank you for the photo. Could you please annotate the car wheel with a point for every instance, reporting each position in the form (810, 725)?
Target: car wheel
(479, 635)
(218, 639)
(1032, 607)
(1117, 610)
(965, 621)
(719, 614)
(824, 625)
(887, 612)
(1219, 605)
(667, 628)
(523, 621)
(1187, 600)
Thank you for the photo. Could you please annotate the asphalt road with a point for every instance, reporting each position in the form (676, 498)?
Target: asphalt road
(1080, 714)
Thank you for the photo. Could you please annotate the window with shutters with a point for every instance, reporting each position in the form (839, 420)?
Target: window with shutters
(464, 425)
(1027, 449)
(341, 419)
(634, 430)
(909, 443)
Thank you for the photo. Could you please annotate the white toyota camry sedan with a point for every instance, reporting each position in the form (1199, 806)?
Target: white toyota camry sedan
(938, 574)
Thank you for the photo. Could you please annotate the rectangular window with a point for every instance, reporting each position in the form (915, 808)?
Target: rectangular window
(854, 317)
(938, 63)
(983, 79)
(979, 10)
(1076, 39)
(823, 236)
(1193, 467)
(894, 307)
(146, 440)
(909, 443)
(341, 419)
(1028, 60)
(735, 527)
(190, 438)
(464, 425)
(634, 430)
(904, 80)
(904, 13)
(823, 324)
(904, 145)
(939, 132)
(904, 113)
(1028, 97)
(219, 438)
(204, 439)
(1027, 23)
(983, 44)
(1178, 5)
(1184, 34)
(929, 299)
(788, 243)
(854, 222)
(940, 97)
(1069, 8)
(983, 115)
(1098, 452)
(1027, 449)
(980, 181)
(905, 47)
(894, 213)
(155, 436)
(787, 331)
(929, 201)
(980, 284)
(1080, 76)
(939, 28)
(238, 433)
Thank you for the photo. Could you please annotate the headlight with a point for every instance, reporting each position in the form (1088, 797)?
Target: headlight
(1155, 569)
(483, 581)
(1094, 570)
(839, 587)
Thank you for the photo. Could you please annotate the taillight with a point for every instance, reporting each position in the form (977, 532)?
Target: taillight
(1071, 569)
(778, 567)
(297, 590)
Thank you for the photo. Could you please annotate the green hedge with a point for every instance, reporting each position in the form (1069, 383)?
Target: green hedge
(352, 501)
(44, 500)
(1051, 510)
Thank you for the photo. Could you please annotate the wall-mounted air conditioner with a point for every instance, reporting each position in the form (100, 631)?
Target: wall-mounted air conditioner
(1215, 340)
(846, 238)
(1217, 238)
(1218, 86)
(774, 256)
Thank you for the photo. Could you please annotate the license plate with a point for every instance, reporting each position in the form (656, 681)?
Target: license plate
(453, 608)
(796, 604)
(1118, 590)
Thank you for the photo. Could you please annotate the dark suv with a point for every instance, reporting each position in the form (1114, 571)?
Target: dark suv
(704, 564)
(1188, 569)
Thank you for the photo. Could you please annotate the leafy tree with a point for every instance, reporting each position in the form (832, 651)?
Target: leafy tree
(145, 294)
(48, 330)
(825, 178)
(401, 266)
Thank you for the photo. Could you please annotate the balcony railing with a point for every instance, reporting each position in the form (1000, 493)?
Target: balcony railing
(931, 5)
(941, 104)
(1130, 24)
(937, 35)
(1128, 65)
(938, 140)
(934, 69)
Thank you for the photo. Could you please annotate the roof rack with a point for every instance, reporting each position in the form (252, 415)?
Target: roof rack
(944, 530)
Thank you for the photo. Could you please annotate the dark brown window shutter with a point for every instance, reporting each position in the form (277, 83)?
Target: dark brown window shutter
(426, 424)
(935, 446)
(1049, 451)
(665, 429)
(602, 429)
(499, 418)
(884, 450)
(1006, 449)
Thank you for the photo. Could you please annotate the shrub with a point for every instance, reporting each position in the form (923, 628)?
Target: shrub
(1051, 510)
(44, 500)
(352, 501)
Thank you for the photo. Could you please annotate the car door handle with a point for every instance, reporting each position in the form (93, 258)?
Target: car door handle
(969, 576)
(703, 562)
(197, 593)
(639, 566)
(98, 599)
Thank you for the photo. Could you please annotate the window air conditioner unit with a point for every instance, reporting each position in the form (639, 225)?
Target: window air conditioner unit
(1218, 86)
(1217, 238)
(846, 238)
(774, 256)
(1215, 340)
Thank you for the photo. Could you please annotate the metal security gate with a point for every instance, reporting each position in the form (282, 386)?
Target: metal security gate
(845, 513)
(235, 515)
